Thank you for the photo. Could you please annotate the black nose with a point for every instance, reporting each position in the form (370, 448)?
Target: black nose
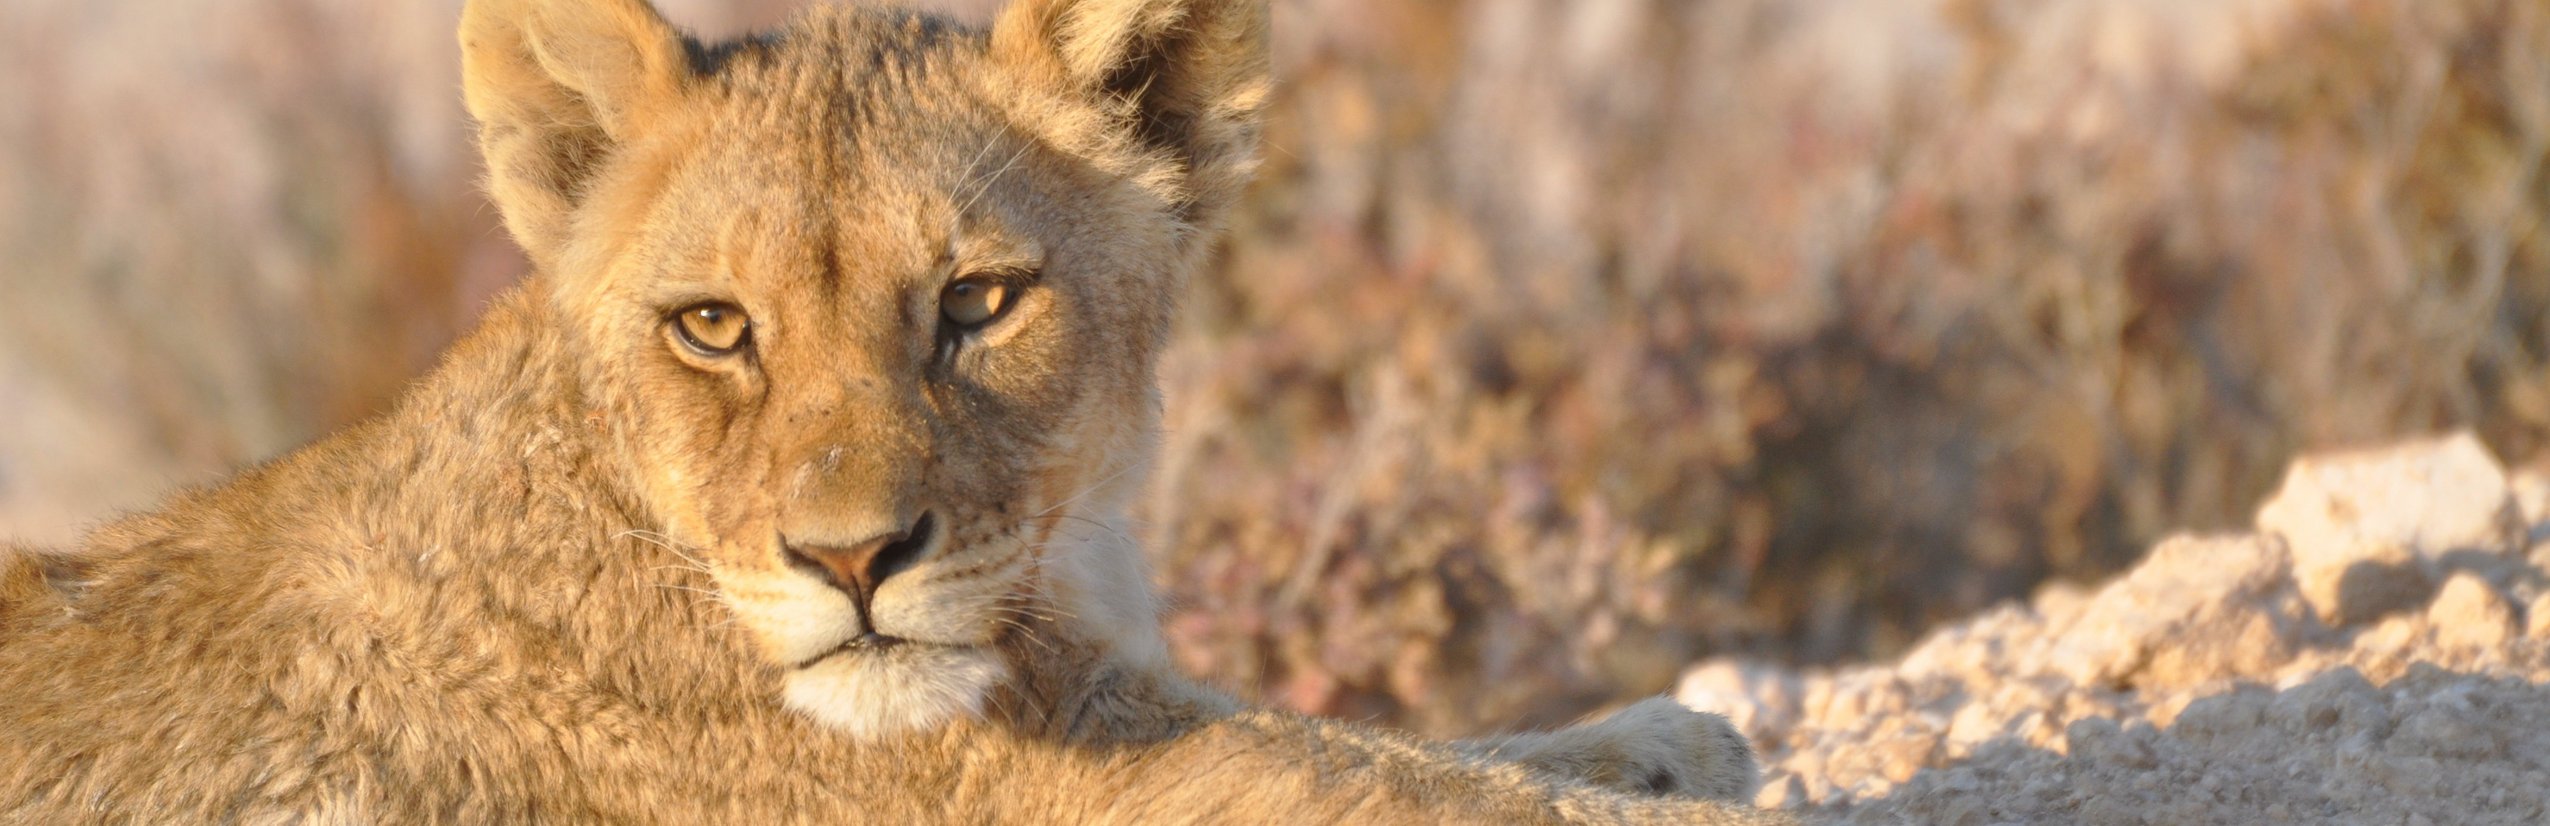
(858, 568)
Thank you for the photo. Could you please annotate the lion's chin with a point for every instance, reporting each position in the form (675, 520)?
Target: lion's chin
(873, 695)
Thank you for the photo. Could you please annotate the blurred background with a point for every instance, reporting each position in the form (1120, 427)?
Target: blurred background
(1564, 342)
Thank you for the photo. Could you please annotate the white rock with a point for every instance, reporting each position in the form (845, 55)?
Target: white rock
(2531, 491)
(2335, 699)
(2469, 613)
(2224, 715)
(2532, 502)
(2185, 587)
(2369, 530)
(1761, 700)
(1781, 792)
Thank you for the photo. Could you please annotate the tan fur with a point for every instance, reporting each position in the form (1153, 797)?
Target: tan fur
(553, 583)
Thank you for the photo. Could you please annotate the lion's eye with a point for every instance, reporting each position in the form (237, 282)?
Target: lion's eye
(714, 329)
(976, 300)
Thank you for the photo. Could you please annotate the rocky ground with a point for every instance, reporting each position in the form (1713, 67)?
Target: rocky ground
(2377, 650)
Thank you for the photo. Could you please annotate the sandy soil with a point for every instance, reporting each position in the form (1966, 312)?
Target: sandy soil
(2376, 651)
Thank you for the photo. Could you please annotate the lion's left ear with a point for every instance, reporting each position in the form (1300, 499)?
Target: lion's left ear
(1187, 78)
(558, 86)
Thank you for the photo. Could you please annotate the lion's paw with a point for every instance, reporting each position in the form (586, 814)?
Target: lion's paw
(1656, 747)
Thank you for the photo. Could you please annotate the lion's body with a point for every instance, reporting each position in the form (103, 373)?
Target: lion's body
(548, 585)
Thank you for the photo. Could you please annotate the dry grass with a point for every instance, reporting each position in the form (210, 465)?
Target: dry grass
(1566, 341)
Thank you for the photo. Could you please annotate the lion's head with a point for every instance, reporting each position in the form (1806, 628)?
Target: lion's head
(869, 305)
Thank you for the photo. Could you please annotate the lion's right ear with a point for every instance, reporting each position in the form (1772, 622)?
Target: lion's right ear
(1186, 79)
(557, 86)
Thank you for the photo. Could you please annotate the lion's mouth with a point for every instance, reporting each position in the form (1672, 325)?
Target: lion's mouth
(871, 644)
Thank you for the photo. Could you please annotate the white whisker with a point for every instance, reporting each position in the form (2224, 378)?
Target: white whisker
(986, 185)
(1092, 487)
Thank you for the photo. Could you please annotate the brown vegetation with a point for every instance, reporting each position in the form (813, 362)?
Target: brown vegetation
(1577, 339)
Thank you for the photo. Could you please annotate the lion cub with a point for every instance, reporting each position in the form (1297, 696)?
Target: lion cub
(755, 504)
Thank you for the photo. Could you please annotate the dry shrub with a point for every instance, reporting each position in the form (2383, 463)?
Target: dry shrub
(1571, 340)
(228, 227)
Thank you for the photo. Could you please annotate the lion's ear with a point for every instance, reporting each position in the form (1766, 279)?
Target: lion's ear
(556, 87)
(1187, 77)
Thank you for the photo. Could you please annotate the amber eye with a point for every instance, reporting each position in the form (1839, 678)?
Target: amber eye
(715, 329)
(976, 300)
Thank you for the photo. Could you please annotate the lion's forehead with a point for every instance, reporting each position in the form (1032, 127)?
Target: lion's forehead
(874, 82)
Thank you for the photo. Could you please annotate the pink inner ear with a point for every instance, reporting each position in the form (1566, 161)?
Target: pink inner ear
(619, 55)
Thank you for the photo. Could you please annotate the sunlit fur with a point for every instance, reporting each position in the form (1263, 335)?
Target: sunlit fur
(553, 583)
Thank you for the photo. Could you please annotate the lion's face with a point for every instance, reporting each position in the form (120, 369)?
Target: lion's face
(869, 347)
(872, 323)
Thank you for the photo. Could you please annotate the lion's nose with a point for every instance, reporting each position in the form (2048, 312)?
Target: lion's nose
(859, 568)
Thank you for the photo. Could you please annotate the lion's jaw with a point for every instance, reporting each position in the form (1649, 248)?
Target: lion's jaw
(1087, 585)
(909, 687)
(940, 626)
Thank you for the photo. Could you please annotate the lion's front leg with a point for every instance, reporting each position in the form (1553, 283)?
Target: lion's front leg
(1655, 746)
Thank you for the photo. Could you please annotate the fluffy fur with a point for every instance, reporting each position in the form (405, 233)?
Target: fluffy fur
(555, 583)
